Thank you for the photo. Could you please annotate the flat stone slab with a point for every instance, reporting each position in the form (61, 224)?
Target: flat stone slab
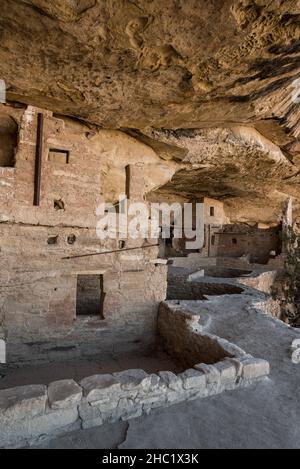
(19, 432)
(227, 370)
(131, 379)
(254, 368)
(22, 402)
(193, 379)
(64, 394)
(99, 387)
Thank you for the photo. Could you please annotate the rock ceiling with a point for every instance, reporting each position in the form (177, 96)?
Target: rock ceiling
(211, 84)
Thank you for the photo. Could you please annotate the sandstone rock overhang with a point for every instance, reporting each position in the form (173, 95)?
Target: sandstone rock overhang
(184, 77)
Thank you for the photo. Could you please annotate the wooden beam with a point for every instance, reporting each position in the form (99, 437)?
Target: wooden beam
(110, 252)
(38, 159)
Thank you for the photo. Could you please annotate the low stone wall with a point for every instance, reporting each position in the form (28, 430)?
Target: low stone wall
(30, 414)
(196, 261)
(262, 281)
(193, 261)
(184, 340)
(225, 272)
(270, 307)
(181, 288)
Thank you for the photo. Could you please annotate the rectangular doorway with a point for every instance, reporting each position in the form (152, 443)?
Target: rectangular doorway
(90, 296)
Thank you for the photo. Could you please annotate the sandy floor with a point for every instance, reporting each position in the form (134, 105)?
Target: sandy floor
(77, 369)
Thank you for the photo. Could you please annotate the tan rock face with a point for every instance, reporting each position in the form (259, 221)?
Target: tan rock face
(135, 64)
(226, 69)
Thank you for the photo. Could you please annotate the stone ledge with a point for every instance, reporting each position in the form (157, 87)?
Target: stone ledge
(98, 387)
(253, 368)
(64, 394)
(22, 402)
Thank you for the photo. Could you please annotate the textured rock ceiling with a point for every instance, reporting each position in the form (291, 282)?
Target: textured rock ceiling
(209, 83)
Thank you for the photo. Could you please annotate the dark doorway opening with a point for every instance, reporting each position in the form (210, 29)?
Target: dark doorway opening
(90, 296)
(9, 140)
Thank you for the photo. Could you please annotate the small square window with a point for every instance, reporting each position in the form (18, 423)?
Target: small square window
(212, 211)
(59, 156)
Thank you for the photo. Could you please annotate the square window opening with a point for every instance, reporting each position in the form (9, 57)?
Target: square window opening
(59, 156)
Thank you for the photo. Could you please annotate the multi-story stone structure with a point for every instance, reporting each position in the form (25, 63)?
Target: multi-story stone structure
(53, 303)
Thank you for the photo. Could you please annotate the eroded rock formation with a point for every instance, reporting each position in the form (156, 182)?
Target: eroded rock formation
(212, 85)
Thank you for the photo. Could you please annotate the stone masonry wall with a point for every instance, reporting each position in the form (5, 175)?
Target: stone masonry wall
(180, 288)
(256, 243)
(38, 300)
(38, 274)
(33, 413)
(183, 337)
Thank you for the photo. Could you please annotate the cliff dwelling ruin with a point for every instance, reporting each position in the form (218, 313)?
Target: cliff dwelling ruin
(112, 109)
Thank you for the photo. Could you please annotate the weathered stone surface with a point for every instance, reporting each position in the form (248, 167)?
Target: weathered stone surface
(193, 379)
(99, 387)
(173, 397)
(156, 384)
(110, 410)
(128, 408)
(227, 370)
(172, 381)
(22, 402)
(39, 321)
(53, 420)
(91, 416)
(296, 356)
(151, 402)
(254, 368)
(212, 376)
(158, 76)
(64, 393)
(146, 48)
(231, 349)
(131, 379)
(147, 30)
(19, 432)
